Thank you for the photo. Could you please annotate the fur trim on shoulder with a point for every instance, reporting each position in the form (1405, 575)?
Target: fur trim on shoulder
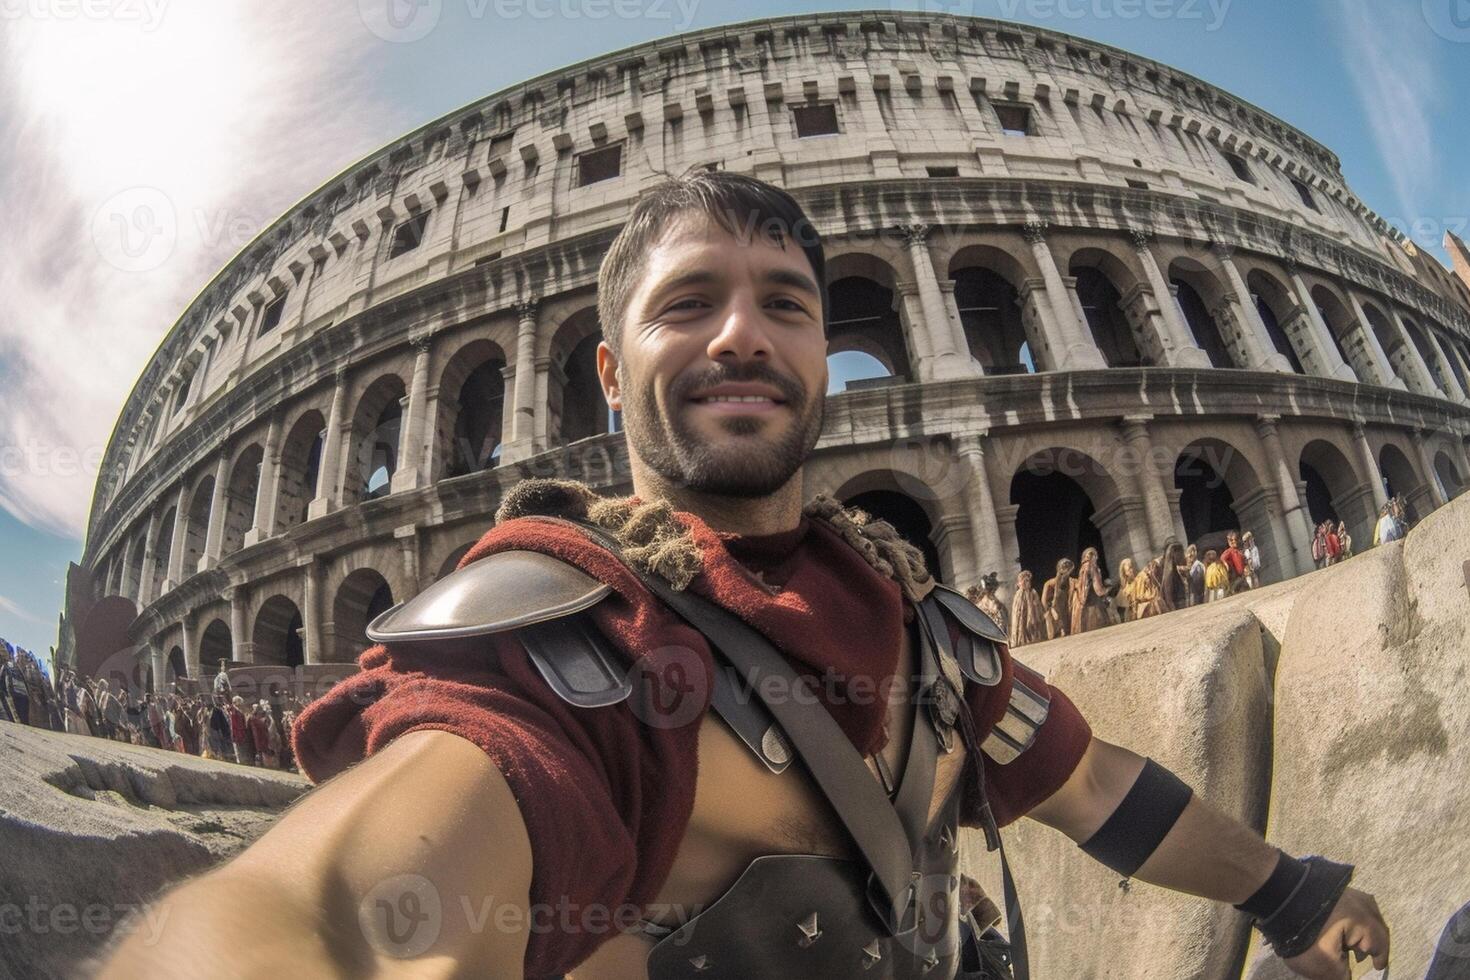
(649, 536)
(877, 541)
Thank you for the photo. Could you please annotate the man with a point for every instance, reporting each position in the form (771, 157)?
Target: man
(985, 599)
(1234, 560)
(222, 680)
(496, 783)
(240, 736)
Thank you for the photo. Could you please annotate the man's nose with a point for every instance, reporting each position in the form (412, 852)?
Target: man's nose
(743, 332)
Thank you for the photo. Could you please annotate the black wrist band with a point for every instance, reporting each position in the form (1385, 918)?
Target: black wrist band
(1289, 873)
(1296, 923)
(1141, 821)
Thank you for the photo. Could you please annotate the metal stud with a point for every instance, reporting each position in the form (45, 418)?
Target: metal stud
(946, 839)
(810, 933)
(872, 953)
(931, 961)
(701, 963)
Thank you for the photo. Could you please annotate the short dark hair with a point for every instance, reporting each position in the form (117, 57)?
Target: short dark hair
(741, 205)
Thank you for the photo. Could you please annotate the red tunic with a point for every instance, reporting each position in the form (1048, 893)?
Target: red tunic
(621, 788)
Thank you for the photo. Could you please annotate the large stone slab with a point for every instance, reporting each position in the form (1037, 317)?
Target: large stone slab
(91, 829)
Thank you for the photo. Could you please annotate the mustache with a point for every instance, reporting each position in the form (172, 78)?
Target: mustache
(753, 373)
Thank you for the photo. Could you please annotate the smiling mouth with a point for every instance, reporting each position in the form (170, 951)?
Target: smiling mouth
(739, 404)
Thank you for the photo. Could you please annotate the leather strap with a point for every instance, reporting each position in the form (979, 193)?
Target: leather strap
(830, 757)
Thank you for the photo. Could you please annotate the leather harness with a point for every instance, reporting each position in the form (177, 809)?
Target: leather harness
(894, 913)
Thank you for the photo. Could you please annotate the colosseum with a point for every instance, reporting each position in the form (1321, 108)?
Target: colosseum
(1077, 297)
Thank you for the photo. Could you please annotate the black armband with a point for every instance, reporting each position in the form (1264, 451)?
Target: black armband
(1292, 906)
(1141, 821)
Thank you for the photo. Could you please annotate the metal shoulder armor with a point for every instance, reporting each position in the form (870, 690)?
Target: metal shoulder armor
(538, 596)
(978, 651)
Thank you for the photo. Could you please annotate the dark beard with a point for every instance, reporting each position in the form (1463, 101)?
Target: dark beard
(685, 460)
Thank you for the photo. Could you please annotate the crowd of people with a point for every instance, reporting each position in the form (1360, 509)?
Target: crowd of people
(221, 725)
(1079, 599)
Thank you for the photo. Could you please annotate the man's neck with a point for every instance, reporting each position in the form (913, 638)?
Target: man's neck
(745, 516)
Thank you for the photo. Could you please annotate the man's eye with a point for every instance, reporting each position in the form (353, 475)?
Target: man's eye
(791, 304)
(687, 304)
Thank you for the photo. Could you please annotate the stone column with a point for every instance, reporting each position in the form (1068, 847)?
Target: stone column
(191, 648)
(936, 324)
(1376, 358)
(1297, 523)
(1410, 364)
(1455, 390)
(1150, 482)
(311, 615)
(1256, 339)
(1077, 350)
(159, 666)
(176, 547)
(328, 489)
(507, 418)
(1370, 467)
(957, 325)
(523, 426)
(1043, 334)
(267, 486)
(413, 440)
(1010, 545)
(1331, 364)
(911, 318)
(150, 556)
(408, 544)
(241, 649)
(214, 538)
(540, 433)
(1183, 352)
(1431, 477)
(985, 534)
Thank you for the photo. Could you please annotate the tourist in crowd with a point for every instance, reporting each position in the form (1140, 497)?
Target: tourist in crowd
(221, 741)
(262, 735)
(1389, 528)
(1196, 575)
(1028, 618)
(1056, 599)
(1217, 577)
(13, 697)
(187, 725)
(1252, 556)
(112, 711)
(222, 680)
(1174, 576)
(240, 737)
(74, 721)
(1234, 560)
(984, 597)
(1122, 601)
(1148, 591)
(1344, 542)
(1089, 607)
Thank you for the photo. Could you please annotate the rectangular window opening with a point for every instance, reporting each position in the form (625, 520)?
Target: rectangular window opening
(1015, 120)
(815, 120)
(1305, 193)
(1241, 168)
(272, 316)
(409, 235)
(601, 164)
(943, 171)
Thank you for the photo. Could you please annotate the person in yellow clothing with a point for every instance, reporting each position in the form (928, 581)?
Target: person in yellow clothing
(1217, 577)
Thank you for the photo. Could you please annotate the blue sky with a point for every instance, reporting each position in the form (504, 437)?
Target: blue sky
(234, 109)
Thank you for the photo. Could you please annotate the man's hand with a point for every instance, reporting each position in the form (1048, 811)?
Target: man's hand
(1356, 926)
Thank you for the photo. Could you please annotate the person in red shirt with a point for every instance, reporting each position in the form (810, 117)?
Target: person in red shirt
(1234, 560)
(550, 736)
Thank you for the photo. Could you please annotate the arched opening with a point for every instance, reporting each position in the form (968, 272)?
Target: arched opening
(215, 644)
(177, 665)
(473, 417)
(452, 560)
(1320, 499)
(1335, 491)
(240, 497)
(1426, 352)
(1340, 325)
(162, 546)
(362, 596)
(1193, 285)
(1206, 504)
(1102, 304)
(907, 518)
(196, 533)
(1060, 494)
(1388, 338)
(277, 636)
(577, 408)
(301, 463)
(1274, 304)
(376, 426)
(851, 370)
(1399, 478)
(133, 580)
(990, 311)
(863, 316)
(1450, 481)
(1457, 367)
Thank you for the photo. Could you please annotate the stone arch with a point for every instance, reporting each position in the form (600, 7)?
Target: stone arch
(1002, 338)
(362, 596)
(472, 408)
(1102, 281)
(863, 312)
(240, 494)
(576, 407)
(1457, 366)
(1333, 488)
(177, 665)
(1203, 300)
(133, 572)
(1389, 339)
(1067, 501)
(1275, 304)
(215, 644)
(848, 370)
(1450, 480)
(1341, 326)
(376, 426)
(882, 493)
(1221, 491)
(276, 638)
(162, 546)
(196, 531)
(1426, 351)
(1400, 479)
(300, 469)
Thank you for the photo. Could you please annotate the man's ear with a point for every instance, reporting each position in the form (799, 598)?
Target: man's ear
(610, 375)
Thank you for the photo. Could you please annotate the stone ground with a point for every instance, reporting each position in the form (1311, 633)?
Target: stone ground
(90, 829)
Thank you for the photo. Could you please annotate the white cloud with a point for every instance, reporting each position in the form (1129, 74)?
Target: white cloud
(1393, 61)
(8, 605)
(231, 111)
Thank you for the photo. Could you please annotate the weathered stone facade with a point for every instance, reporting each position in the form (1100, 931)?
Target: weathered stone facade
(1062, 256)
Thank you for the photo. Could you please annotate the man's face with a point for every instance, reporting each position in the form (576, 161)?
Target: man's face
(714, 316)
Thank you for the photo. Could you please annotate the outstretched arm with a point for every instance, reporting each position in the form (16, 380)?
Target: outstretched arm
(1209, 854)
(413, 863)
